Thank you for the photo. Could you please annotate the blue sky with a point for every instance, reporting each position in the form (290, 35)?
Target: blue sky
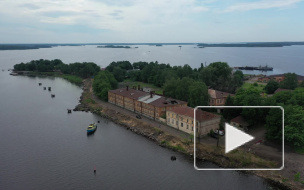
(139, 21)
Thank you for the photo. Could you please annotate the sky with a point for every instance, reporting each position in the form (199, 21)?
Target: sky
(150, 21)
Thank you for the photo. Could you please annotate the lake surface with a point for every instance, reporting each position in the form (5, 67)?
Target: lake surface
(43, 147)
(282, 59)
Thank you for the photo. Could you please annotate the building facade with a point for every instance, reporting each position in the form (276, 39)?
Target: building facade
(218, 98)
(148, 104)
(182, 118)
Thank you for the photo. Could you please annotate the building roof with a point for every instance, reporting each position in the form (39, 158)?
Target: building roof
(147, 99)
(240, 120)
(130, 93)
(188, 111)
(218, 94)
(164, 102)
(156, 100)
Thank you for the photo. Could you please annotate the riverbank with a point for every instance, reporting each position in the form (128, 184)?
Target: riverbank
(71, 78)
(181, 142)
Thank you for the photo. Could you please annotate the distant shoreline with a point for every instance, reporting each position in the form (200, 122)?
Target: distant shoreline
(127, 45)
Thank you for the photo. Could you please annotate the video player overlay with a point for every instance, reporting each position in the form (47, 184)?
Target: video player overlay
(239, 137)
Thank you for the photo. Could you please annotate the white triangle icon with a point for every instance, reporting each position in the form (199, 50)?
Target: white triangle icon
(235, 138)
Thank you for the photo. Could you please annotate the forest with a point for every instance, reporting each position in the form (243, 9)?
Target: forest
(84, 70)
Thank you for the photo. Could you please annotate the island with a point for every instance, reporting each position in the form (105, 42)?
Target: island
(113, 46)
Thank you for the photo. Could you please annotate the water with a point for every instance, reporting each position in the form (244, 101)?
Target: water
(283, 59)
(43, 147)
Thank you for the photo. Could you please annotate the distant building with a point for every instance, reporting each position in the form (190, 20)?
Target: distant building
(240, 123)
(278, 78)
(182, 118)
(148, 104)
(218, 98)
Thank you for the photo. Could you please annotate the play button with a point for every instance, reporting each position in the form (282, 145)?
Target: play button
(235, 138)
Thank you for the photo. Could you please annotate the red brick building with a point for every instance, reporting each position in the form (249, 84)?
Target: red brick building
(218, 98)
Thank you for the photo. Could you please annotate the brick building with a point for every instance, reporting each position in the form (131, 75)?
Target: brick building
(182, 118)
(218, 98)
(148, 104)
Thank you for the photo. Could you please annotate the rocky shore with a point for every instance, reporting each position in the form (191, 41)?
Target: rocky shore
(90, 103)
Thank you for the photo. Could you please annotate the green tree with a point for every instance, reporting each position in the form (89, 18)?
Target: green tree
(290, 81)
(271, 86)
(283, 97)
(198, 94)
(229, 113)
(274, 125)
(249, 97)
(103, 82)
(182, 89)
(294, 126)
(119, 74)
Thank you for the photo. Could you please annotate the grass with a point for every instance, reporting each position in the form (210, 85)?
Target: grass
(259, 87)
(71, 78)
(89, 101)
(297, 177)
(177, 147)
(131, 83)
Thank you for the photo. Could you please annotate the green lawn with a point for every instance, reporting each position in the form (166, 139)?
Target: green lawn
(259, 87)
(157, 90)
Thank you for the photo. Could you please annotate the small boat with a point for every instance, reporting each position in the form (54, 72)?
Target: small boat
(91, 128)
(13, 73)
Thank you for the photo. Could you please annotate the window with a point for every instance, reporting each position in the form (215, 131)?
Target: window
(187, 126)
(196, 129)
(191, 128)
(182, 124)
(176, 122)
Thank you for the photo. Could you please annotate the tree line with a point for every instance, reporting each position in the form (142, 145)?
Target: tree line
(216, 75)
(85, 69)
(290, 82)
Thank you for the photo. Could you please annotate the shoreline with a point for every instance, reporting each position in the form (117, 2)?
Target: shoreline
(163, 139)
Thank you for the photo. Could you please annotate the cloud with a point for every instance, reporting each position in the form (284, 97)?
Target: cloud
(30, 6)
(264, 4)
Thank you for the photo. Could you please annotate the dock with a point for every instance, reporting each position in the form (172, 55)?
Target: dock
(260, 68)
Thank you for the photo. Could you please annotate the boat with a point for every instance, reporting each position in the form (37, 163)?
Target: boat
(91, 128)
(13, 73)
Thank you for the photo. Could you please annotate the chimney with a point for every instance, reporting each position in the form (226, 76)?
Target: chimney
(138, 87)
(127, 87)
(151, 94)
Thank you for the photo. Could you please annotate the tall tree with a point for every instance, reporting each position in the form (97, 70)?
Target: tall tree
(271, 87)
(198, 94)
(290, 81)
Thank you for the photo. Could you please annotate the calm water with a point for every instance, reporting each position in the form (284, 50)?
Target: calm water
(43, 147)
(283, 59)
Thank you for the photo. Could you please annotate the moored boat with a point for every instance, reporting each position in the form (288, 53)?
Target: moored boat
(92, 128)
